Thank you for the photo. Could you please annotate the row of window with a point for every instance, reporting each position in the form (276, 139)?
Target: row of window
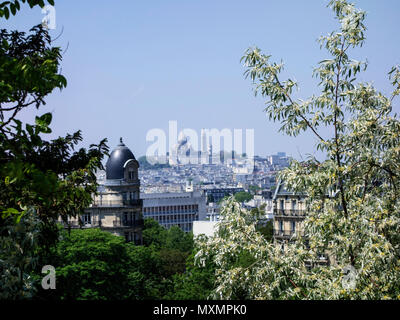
(127, 216)
(175, 218)
(292, 225)
(163, 209)
(131, 195)
(293, 204)
(130, 216)
(132, 237)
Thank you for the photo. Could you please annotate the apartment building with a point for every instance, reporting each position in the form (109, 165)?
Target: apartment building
(117, 208)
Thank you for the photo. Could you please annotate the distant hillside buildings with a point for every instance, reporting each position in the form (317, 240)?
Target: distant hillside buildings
(177, 195)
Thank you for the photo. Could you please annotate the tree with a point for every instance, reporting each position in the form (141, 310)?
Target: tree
(7, 7)
(170, 249)
(353, 195)
(173, 246)
(173, 261)
(254, 189)
(35, 172)
(173, 238)
(179, 240)
(18, 243)
(153, 234)
(196, 283)
(47, 179)
(91, 265)
(266, 228)
(145, 276)
(243, 196)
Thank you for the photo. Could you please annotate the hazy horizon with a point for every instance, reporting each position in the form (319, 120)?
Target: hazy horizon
(132, 66)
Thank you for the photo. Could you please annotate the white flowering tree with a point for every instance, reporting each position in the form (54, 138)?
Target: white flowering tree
(353, 195)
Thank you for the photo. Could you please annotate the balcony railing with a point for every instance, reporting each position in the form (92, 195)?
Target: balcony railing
(290, 213)
(76, 224)
(117, 203)
(287, 233)
(128, 223)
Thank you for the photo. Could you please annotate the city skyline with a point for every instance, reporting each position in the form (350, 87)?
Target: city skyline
(191, 74)
(199, 150)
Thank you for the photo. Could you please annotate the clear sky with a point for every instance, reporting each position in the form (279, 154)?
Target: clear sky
(134, 65)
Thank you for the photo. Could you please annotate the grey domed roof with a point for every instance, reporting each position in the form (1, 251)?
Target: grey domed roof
(115, 163)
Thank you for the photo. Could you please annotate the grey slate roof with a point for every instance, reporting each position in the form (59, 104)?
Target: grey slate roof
(116, 161)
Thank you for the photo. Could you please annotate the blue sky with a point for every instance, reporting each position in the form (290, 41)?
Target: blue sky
(134, 65)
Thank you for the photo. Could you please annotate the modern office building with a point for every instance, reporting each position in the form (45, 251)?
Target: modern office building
(175, 209)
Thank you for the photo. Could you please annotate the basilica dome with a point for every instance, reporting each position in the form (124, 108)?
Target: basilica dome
(118, 158)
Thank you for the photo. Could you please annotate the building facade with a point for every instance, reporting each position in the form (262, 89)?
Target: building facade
(175, 208)
(289, 211)
(117, 207)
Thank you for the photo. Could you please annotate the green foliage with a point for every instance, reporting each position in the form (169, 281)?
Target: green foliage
(267, 230)
(179, 240)
(47, 175)
(11, 7)
(145, 279)
(90, 265)
(353, 195)
(174, 238)
(47, 179)
(96, 265)
(247, 265)
(178, 277)
(173, 261)
(153, 234)
(18, 243)
(243, 196)
(173, 246)
(29, 71)
(196, 283)
(254, 188)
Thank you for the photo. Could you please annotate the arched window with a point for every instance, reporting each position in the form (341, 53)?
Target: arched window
(131, 174)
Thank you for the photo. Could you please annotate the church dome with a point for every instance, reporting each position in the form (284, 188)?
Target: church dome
(115, 163)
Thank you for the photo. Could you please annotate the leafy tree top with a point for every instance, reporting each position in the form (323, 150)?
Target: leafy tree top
(353, 195)
(13, 6)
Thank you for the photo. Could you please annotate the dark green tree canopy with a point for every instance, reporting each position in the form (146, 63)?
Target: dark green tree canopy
(40, 180)
(243, 196)
(91, 265)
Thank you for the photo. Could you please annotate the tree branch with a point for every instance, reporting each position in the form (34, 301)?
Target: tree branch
(301, 116)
